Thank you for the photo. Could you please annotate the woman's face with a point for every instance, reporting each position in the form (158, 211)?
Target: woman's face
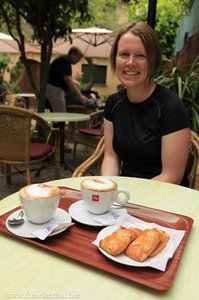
(131, 61)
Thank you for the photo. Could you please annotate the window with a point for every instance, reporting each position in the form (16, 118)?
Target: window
(99, 74)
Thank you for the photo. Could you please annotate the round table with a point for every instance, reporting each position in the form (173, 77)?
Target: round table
(61, 118)
(26, 269)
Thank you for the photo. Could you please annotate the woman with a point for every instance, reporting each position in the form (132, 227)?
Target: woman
(146, 126)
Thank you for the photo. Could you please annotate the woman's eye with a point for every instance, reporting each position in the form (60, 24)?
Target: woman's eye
(123, 54)
(141, 55)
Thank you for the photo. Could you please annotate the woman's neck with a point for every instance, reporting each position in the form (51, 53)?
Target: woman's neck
(141, 93)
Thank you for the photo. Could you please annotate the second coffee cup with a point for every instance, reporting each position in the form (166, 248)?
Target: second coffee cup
(99, 194)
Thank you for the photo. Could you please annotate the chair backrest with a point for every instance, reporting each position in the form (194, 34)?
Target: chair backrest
(193, 169)
(81, 109)
(17, 128)
(193, 175)
(84, 168)
(74, 108)
(96, 119)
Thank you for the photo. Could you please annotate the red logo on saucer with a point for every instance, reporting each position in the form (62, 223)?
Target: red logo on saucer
(95, 197)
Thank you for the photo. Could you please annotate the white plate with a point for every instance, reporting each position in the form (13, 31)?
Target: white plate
(80, 214)
(26, 229)
(122, 258)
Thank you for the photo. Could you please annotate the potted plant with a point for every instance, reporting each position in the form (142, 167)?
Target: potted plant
(186, 85)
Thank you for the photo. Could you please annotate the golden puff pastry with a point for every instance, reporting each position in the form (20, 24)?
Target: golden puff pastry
(162, 243)
(118, 241)
(143, 245)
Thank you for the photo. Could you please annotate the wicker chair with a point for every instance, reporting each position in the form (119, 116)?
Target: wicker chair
(85, 168)
(90, 135)
(193, 168)
(21, 145)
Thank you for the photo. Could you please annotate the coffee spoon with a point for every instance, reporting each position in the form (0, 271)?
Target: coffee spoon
(18, 220)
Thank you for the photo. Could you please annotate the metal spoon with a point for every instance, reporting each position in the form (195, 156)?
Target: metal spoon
(18, 220)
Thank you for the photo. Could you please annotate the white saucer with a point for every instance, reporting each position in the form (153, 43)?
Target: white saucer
(26, 229)
(80, 214)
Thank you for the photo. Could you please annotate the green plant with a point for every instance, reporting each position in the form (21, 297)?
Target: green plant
(186, 85)
(79, 78)
(4, 62)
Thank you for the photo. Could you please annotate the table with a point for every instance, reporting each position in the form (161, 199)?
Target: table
(27, 269)
(61, 118)
(26, 97)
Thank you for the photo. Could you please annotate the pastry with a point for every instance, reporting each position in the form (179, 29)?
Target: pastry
(162, 243)
(118, 241)
(143, 245)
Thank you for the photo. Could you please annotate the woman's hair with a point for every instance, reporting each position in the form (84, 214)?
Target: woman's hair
(150, 41)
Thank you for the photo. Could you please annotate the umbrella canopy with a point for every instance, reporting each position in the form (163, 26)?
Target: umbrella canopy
(9, 45)
(94, 36)
(93, 42)
(5, 36)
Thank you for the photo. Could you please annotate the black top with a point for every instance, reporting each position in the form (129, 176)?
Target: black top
(60, 67)
(138, 129)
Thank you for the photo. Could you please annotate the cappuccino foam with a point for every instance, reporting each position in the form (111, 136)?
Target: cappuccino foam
(99, 184)
(39, 191)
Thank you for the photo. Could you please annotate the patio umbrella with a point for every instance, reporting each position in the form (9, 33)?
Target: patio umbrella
(94, 36)
(93, 42)
(9, 45)
(5, 36)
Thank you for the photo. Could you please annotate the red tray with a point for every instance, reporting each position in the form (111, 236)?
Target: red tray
(76, 243)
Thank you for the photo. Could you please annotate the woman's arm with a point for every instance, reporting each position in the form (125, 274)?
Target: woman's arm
(111, 163)
(175, 152)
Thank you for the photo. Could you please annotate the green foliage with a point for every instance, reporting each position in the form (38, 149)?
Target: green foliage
(101, 11)
(186, 85)
(112, 14)
(169, 14)
(4, 61)
(49, 21)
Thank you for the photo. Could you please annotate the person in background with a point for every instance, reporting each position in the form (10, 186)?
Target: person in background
(3, 89)
(146, 125)
(60, 82)
(72, 99)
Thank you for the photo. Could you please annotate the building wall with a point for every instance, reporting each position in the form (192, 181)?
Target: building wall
(111, 79)
(187, 37)
(103, 90)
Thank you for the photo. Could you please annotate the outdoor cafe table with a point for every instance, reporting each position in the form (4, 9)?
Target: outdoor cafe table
(26, 97)
(61, 118)
(30, 271)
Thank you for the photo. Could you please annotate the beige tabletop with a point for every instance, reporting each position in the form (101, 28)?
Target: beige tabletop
(64, 117)
(30, 272)
(27, 97)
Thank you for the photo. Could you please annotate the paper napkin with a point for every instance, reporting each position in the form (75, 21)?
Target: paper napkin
(160, 260)
(115, 216)
(45, 231)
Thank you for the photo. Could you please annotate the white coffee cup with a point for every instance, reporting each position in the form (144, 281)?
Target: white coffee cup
(39, 202)
(99, 194)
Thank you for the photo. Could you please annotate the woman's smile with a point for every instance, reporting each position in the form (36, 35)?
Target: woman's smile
(131, 61)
